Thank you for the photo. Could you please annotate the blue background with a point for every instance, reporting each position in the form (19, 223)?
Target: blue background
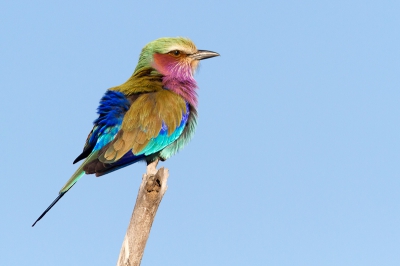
(296, 156)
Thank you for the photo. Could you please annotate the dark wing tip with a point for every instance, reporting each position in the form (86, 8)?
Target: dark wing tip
(84, 154)
(80, 157)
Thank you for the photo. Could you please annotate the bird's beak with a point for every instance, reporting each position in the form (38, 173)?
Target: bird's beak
(203, 54)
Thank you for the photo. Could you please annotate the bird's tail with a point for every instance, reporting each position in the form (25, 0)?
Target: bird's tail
(78, 173)
(48, 208)
(74, 178)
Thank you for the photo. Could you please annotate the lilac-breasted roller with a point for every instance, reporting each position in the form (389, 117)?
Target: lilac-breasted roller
(149, 117)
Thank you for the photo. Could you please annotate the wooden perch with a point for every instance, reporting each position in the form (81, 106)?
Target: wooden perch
(151, 192)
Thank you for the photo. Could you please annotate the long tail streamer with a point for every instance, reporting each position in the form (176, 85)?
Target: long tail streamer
(51, 206)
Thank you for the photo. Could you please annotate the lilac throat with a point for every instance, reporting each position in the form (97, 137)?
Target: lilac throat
(181, 81)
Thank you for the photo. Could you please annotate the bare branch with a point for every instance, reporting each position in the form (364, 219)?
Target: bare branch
(151, 191)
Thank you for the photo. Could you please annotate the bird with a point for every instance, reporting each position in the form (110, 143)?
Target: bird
(149, 117)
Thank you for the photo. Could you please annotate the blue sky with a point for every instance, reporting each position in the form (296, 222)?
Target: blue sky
(295, 160)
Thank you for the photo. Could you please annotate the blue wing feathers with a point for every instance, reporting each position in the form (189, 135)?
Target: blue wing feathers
(112, 108)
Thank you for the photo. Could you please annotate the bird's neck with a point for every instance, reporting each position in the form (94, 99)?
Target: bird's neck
(184, 87)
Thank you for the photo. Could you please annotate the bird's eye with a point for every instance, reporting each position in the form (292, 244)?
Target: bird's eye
(175, 52)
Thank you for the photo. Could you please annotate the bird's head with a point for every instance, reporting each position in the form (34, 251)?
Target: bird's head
(173, 57)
